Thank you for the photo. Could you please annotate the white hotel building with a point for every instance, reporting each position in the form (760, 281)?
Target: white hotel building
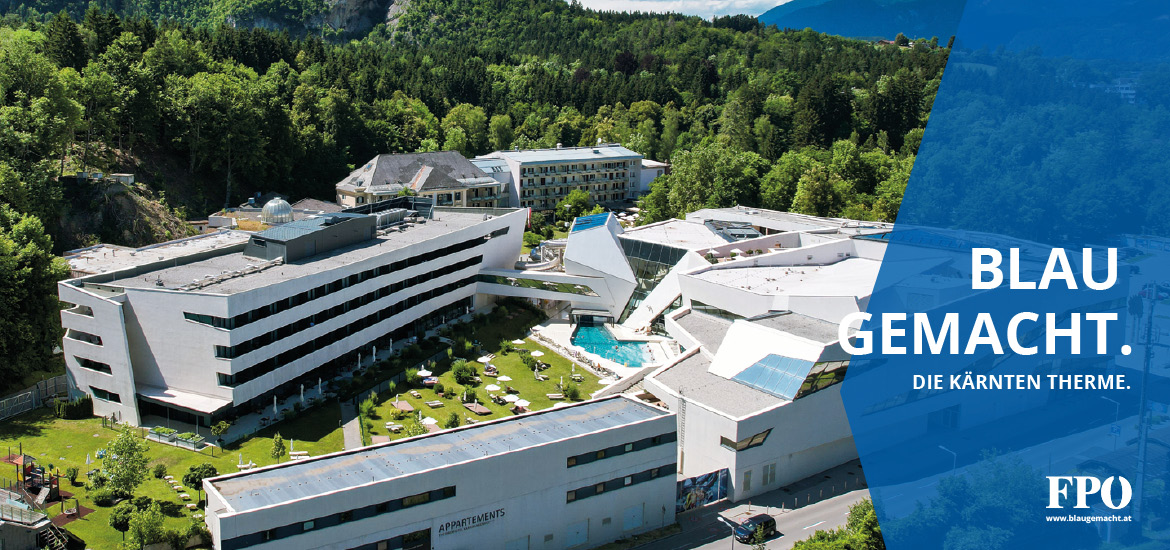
(540, 178)
(199, 329)
(576, 476)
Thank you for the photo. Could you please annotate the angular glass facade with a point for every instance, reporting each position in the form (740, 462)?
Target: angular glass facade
(790, 378)
(650, 262)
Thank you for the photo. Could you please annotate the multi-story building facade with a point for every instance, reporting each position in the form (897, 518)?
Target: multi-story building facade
(197, 329)
(445, 177)
(540, 178)
(576, 476)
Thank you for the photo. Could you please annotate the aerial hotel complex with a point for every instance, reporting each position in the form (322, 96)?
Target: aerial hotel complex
(717, 336)
(260, 312)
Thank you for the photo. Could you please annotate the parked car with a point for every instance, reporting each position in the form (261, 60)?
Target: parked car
(746, 530)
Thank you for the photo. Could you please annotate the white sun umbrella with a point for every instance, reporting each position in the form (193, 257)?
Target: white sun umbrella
(485, 359)
(430, 421)
(425, 372)
(504, 378)
(511, 398)
(538, 353)
(518, 342)
(491, 387)
(522, 403)
(713, 252)
(736, 251)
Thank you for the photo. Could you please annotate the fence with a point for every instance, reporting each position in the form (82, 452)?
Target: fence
(32, 397)
(17, 514)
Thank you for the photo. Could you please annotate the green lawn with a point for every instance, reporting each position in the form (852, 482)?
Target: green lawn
(65, 443)
(490, 335)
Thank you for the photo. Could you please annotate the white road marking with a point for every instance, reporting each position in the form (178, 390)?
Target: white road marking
(813, 525)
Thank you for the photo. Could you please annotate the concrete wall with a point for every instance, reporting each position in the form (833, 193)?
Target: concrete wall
(108, 322)
(809, 435)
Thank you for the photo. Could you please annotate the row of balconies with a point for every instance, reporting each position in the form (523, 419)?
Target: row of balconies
(554, 171)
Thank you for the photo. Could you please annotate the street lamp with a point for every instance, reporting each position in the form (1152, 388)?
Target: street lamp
(954, 458)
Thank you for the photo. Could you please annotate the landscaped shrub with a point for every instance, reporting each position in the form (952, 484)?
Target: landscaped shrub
(143, 502)
(159, 471)
(439, 388)
(412, 378)
(71, 474)
(102, 497)
(453, 420)
(77, 409)
(97, 480)
(572, 391)
(463, 372)
(367, 408)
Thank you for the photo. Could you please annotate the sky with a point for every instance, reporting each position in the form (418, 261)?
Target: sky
(702, 8)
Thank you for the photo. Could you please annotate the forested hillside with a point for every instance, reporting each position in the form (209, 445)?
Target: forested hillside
(206, 115)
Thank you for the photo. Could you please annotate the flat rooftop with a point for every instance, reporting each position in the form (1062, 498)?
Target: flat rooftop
(568, 154)
(709, 330)
(788, 221)
(176, 276)
(848, 277)
(814, 329)
(349, 469)
(691, 379)
(677, 233)
(107, 258)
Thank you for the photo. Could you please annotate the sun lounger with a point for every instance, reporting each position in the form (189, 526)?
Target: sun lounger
(555, 396)
(434, 404)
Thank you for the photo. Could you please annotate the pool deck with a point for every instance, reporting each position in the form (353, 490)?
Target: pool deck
(560, 332)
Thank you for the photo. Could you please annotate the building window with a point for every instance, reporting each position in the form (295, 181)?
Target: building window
(747, 481)
(622, 449)
(307, 526)
(345, 516)
(619, 483)
(415, 500)
(84, 337)
(769, 474)
(745, 443)
(104, 395)
(90, 364)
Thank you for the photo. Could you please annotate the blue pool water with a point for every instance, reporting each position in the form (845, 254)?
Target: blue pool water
(596, 339)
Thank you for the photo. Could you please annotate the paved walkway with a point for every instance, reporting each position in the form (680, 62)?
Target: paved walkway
(351, 426)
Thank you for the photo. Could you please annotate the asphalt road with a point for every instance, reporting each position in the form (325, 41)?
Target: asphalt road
(831, 493)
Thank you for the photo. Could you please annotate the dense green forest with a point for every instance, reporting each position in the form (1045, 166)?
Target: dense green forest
(207, 114)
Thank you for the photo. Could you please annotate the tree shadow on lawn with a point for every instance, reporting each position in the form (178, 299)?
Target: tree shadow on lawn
(309, 425)
(30, 424)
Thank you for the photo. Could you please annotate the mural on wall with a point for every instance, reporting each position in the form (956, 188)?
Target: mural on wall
(699, 491)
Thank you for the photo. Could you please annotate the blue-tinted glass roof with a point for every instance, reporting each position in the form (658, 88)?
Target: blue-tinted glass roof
(588, 222)
(775, 374)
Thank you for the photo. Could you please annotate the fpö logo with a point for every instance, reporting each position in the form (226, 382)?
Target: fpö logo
(1115, 492)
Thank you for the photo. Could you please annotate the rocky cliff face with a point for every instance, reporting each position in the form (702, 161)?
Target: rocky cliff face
(345, 16)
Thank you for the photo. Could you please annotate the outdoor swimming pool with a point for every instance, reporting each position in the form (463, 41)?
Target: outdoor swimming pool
(597, 339)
